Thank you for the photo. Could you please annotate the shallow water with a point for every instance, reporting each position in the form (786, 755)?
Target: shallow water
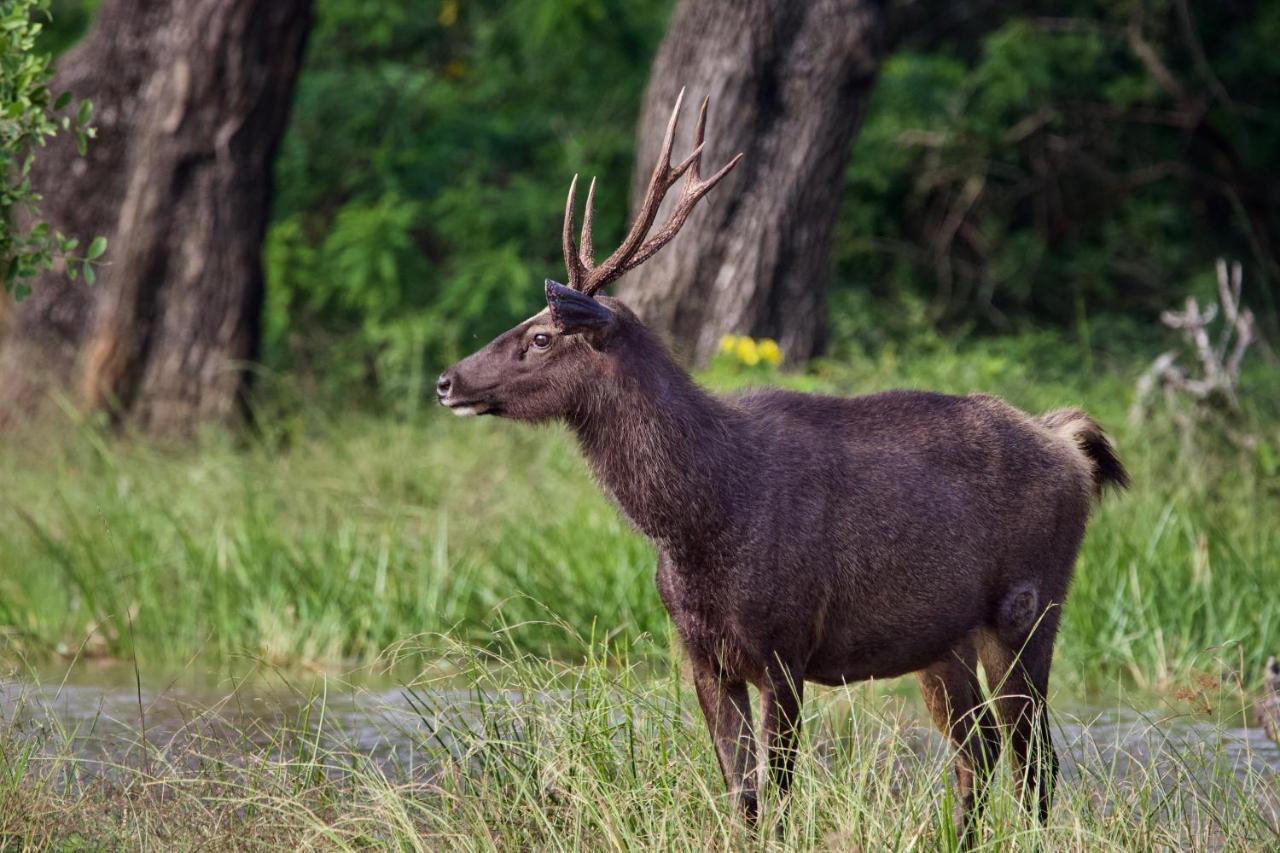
(102, 715)
(99, 715)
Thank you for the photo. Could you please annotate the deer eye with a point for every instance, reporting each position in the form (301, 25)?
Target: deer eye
(541, 340)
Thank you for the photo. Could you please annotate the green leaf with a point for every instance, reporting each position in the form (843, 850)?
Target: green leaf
(96, 248)
(31, 113)
(89, 275)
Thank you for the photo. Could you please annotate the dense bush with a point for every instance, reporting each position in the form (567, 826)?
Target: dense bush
(1059, 167)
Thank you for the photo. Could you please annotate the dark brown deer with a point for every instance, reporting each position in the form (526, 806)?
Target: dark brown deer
(808, 538)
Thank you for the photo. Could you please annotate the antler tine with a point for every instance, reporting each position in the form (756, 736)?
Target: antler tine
(689, 197)
(573, 265)
(694, 160)
(635, 249)
(659, 182)
(586, 248)
(692, 195)
(668, 139)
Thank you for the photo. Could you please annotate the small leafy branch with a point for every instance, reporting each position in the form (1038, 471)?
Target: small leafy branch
(29, 117)
(1212, 385)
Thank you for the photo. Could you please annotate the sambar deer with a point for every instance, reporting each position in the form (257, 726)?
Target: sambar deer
(806, 538)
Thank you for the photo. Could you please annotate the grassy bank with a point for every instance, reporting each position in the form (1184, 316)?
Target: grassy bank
(604, 754)
(328, 539)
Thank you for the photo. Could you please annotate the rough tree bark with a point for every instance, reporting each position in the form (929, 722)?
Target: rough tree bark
(191, 98)
(788, 84)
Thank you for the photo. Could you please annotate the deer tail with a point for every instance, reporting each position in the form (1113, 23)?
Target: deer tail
(1085, 433)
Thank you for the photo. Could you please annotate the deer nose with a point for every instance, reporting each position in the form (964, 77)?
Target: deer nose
(443, 386)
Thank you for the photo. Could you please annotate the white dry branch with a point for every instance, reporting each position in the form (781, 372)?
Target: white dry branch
(1212, 385)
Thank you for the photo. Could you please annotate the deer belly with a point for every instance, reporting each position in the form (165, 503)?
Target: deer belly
(885, 644)
(887, 661)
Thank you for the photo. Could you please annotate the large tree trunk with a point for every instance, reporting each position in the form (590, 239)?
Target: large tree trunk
(82, 197)
(192, 98)
(788, 84)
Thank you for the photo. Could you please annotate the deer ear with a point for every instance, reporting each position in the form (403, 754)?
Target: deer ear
(573, 312)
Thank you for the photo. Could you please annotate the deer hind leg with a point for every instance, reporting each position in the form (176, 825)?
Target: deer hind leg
(781, 696)
(954, 695)
(727, 710)
(1018, 675)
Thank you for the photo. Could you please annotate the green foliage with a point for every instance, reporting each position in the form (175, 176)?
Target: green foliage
(422, 181)
(30, 115)
(1057, 167)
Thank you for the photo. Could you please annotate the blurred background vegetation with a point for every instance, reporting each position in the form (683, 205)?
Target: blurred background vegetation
(1072, 170)
(1033, 175)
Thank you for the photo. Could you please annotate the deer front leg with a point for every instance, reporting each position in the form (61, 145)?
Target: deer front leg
(727, 710)
(781, 697)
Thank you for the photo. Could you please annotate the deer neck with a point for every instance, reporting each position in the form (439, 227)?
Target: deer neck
(671, 455)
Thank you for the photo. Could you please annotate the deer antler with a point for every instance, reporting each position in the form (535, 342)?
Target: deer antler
(584, 275)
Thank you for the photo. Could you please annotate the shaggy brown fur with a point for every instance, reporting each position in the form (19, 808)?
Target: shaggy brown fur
(805, 538)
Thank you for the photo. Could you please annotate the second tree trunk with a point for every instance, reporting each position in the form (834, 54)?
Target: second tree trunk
(788, 84)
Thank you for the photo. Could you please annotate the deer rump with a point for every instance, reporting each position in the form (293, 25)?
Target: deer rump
(866, 536)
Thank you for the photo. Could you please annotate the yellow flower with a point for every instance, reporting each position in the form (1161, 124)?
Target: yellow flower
(449, 13)
(746, 351)
(770, 351)
(728, 343)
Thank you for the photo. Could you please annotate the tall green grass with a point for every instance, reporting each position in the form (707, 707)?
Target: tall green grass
(327, 538)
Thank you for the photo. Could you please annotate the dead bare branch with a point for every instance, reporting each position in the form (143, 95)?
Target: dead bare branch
(1212, 385)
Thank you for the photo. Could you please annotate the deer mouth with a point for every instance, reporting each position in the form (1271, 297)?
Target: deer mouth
(470, 408)
(462, 404)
